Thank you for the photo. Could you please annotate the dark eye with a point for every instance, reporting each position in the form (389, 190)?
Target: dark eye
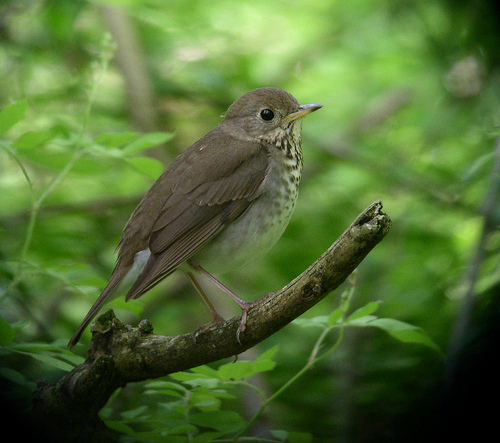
(266, 114)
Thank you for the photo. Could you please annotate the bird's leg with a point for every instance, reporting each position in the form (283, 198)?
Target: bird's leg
(215, 314)
(245, 306)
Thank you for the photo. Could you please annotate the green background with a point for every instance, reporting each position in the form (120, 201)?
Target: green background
(411, 96)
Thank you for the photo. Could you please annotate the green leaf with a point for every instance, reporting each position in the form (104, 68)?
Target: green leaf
(279, 434)
(31, 140)
(134, 413)
(196, 379)
(239, 370)
(478, 166)
(204, 400)
(100, 151)
(183, 430)
(7, 334)
(120, 426)
(166, 392)
(205, 370)
(224, 421)
(147, 166)
(147, 141)
(362, 321)
(50, 361)
(242, 370)
(400, 330)
(334, 316)
(205, 437)
(115, 139)
(12, 114)
(52, 355)
(405, 332)
(367, 309)
(160, 385)
(16, 377)
(319, 321)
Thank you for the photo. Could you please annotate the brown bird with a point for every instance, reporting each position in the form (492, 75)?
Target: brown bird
(223, 202)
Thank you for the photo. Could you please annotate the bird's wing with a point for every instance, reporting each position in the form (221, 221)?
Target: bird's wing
(193, 200)
(207, 190)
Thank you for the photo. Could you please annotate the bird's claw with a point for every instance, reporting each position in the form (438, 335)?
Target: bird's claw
(217, 320)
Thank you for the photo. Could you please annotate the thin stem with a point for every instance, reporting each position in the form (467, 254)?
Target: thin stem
(313, 358)
(31, 222)
(8, 149)
(38, 202)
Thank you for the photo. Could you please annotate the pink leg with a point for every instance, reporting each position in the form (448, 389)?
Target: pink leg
(244, 305)
(215, 314)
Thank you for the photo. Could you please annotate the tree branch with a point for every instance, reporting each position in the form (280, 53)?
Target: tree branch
(122, 354)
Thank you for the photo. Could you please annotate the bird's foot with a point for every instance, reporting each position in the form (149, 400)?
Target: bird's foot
(246, 307)
(217, 320)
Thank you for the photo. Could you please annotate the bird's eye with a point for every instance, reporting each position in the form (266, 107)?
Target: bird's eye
(266, 114)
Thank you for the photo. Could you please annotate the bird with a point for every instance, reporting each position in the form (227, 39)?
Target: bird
(222, 203)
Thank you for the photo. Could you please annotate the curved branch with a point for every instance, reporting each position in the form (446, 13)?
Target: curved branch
(122, 354)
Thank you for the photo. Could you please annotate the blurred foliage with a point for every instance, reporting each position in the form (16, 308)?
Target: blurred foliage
(411, 95)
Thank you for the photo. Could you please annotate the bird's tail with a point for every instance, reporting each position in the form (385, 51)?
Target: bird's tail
(103, 299)
(123, 276)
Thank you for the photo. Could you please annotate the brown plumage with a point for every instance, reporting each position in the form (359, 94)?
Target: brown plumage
(214, 184)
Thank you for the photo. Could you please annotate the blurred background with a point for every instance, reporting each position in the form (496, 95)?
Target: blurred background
(411, 96)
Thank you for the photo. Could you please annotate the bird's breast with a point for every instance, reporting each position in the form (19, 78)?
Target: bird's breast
(257, 230)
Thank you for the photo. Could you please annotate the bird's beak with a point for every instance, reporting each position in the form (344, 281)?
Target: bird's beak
(303, 110)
